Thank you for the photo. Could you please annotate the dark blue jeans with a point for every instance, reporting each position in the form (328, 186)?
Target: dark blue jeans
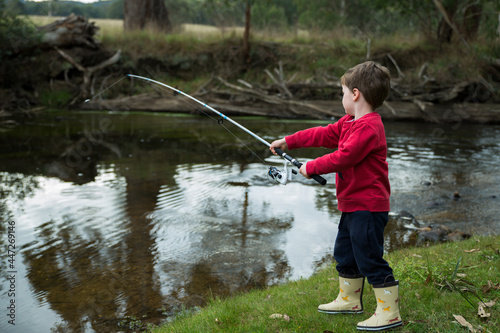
(359, 247)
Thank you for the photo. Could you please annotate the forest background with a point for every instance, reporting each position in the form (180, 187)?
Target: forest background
(430, 46)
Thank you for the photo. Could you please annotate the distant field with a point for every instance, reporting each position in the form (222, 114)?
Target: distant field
(111, 27)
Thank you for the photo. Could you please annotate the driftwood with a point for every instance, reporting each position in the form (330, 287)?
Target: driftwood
(451, 113)
(321, 100)
(74, 30)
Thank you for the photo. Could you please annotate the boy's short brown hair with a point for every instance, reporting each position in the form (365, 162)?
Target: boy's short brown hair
(372, 79)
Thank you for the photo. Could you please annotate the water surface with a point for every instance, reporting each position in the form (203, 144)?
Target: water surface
(124, 216)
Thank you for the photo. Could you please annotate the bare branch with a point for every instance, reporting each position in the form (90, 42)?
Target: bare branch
(400, 73)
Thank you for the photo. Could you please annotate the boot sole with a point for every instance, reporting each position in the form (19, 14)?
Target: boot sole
(340, 312)
(379, 328)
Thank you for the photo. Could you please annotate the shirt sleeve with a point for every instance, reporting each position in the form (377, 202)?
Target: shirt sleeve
(327, 137)
(362, 140)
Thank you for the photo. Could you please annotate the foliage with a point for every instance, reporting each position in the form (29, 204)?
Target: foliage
(100, 9)
(225, 13)
(269, 16)
(323, 14)
(368, 17)
(187, 11)
(424, 14)
(15, 32)
(57, 99)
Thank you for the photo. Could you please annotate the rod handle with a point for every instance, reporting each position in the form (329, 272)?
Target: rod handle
(287, 157)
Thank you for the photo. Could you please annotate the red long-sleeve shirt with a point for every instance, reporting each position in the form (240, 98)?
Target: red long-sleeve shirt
(360, 158)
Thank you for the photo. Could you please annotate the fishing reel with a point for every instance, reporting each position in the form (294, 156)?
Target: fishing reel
(281, 177)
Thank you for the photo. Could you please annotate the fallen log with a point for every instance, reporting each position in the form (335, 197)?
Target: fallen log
(280, 99)
(73, 30)
(451, 113)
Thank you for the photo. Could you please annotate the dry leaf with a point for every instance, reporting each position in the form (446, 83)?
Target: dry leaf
(490, 304)
(279, 315)
(473, 250)
(489, 286)
(461, 320)
(481, 312)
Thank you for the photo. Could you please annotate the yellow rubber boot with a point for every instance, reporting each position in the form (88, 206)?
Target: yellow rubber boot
(349, 299)
(386, 315)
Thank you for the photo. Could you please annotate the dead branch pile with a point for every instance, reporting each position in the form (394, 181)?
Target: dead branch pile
(321, 99)
(74, 30)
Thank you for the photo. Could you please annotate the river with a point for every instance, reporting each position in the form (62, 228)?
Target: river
(124, 218)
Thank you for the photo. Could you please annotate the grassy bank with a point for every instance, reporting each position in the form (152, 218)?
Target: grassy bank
(190, 56)
(436, 283)
(303, 54)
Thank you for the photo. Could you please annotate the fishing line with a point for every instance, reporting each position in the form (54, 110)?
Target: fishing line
(175, 93)
(281, 177)
(220, 121)
(102, 92)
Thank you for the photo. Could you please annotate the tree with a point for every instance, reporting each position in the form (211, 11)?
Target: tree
(322, 14)
(146, 14)
(16, 33)
(246, 34)
(247, 4)
(465, 26)
(445, 18)
(267, 16)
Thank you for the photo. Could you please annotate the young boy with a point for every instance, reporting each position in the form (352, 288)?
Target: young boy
(363, 192)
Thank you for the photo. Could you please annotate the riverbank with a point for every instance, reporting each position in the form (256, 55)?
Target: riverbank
(295, 74)
(438, 283)
(446, 113)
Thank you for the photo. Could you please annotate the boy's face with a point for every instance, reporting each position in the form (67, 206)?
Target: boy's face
(348, 100)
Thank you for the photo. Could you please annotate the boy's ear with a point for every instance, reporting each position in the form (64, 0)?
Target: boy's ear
(356, 94)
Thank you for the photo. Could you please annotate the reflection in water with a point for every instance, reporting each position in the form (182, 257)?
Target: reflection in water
(135, 216)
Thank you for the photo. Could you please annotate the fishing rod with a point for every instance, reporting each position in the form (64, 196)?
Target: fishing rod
(280, 176)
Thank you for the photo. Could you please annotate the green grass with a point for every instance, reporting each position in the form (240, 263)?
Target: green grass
(436, 283)
(55, 98)
(304, 53)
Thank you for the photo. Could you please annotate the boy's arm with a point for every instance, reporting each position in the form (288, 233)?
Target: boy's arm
(361, 142)
(327, 137)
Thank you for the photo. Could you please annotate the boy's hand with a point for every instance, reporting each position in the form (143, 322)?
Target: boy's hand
(281, 144)
(303, 171)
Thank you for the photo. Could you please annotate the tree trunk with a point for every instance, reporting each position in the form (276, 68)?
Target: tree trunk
(445, 28)
(498, 28)
(146, 14)
(472, 19)
(246, 34)
(448, 13)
